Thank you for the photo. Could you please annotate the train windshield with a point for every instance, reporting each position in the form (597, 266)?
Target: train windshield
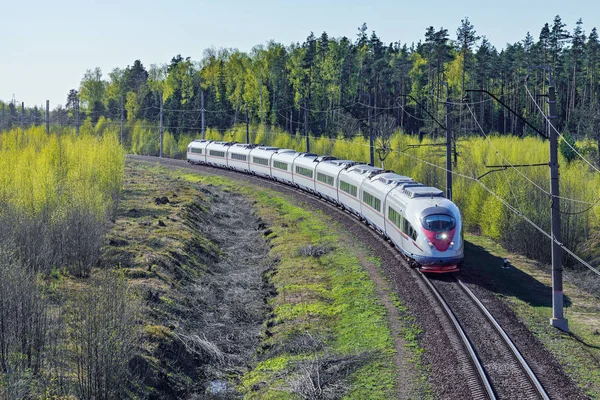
(439, 223)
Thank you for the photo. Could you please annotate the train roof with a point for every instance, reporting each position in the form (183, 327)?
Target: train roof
(281, 151)
(223, 143)
(365, 169)
(392, 178)
(340, 163)
(312, 155)
(325, 158)
(422, 191)
(244, 145)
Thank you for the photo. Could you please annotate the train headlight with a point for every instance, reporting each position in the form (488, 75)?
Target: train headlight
(430, 244)
(451, 245)
(444, 236)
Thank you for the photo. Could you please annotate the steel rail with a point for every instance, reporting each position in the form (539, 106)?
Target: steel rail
(473, 355)
(536, 383)
(488, 390)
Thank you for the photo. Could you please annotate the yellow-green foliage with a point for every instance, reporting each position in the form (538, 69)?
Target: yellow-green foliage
(482, 212)
(145, 139)
(41, 173)
(54, 185)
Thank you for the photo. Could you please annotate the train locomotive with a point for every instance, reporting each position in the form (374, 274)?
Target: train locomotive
(417, 219)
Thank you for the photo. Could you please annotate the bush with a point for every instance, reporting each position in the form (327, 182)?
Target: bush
(103, 336)
(56, 193)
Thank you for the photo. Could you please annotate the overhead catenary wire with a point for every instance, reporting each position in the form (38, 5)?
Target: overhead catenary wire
(514, 210)
(455, 173)
(503, 201)
(507, 93)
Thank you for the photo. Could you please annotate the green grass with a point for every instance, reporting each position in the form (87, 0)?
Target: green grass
(330, 298)
(526, 287)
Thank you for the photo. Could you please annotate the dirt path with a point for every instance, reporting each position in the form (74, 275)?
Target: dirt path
(407, 376)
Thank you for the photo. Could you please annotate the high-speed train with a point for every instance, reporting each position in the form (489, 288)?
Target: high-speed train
(417, 219)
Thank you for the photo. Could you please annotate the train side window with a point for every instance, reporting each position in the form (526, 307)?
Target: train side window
(325, 179)
(371, 200)
(280, 165)
(262, 161)
(216, 153)
(348, 188)
(240, 157)
(304, 171)
(413, 232)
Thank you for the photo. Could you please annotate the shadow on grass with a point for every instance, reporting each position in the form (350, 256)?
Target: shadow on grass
(583, 342)
(486, 270)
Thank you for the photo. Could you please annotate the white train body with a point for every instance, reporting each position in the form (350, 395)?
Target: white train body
(196, 151)
(216, 153)
(282, 165)
(327, 177)
(424, 225)
(304, 171)
(238, 157)
(260, 160)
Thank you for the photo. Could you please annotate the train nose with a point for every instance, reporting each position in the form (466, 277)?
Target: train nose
(440, 240)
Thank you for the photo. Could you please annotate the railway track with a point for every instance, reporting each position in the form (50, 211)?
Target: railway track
(500, 366)
(492, 366)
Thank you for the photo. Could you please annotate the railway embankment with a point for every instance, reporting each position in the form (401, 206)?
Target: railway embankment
(247, 294)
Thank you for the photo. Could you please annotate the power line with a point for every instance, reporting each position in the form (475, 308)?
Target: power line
(510, 92)
(504, 202)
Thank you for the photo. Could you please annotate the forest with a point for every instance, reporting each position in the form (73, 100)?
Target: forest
(331, 86)
(337, 90)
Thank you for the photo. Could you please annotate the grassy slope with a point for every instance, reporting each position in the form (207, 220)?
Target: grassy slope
(327, 320)
(160, 254)
(526, 287)
(327, 332)
(325, 310)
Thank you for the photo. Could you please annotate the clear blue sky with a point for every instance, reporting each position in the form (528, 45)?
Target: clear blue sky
(48, 45)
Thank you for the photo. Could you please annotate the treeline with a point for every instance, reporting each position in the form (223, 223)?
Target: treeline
(57, 194)
(330, 85)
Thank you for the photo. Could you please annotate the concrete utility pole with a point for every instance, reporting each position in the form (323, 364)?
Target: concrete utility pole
(202, 111)
(306, 127)
(161, 126)
(22, 114)
(247, 127)
(557, 320)
(371, 146)
(291, 123)
(47, 117)
(448, 148)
